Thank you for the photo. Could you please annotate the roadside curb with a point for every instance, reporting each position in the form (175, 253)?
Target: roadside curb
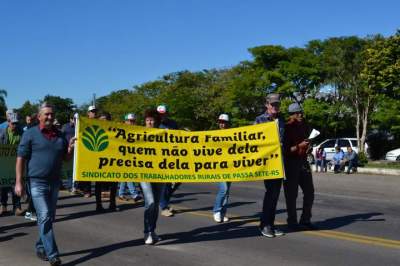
(366, 170)
(381, 171)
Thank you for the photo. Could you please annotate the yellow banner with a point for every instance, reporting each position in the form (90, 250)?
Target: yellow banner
(110, 151)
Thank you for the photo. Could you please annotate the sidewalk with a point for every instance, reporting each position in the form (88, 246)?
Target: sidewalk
(367, 170)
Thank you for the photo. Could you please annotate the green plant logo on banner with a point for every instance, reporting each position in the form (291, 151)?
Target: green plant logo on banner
(95, 138)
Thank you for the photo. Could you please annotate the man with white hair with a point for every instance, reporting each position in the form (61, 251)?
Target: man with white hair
(42, 150)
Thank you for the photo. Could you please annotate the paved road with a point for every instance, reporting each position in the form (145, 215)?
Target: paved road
(358, 216)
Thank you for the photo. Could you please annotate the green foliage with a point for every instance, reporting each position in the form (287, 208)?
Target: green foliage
(362, 158)
(361, 74)
(27, 109)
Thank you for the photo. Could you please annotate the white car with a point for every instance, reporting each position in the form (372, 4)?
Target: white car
(393, 155)
(329, 147)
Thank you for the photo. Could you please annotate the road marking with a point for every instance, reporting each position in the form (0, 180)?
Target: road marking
(362, 239)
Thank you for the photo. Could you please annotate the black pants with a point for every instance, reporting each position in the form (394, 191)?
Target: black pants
(271, 196)
(16, 201)
(100, 186)
(298, 173)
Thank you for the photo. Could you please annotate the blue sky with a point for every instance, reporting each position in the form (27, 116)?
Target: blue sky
(76, 48)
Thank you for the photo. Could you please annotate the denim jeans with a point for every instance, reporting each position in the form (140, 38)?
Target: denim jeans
(44, 195)
(166, 196)
(222, 197)
(151, 193)
(132, 189)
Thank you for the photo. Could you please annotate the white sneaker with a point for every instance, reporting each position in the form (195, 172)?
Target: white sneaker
(226, 219)
(28, 215)
(217, 217)
(148, 239)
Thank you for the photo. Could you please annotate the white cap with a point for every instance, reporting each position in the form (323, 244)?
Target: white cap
(161, 109)
(9, 111)
(91, 108)
(130, 116)
(13, 117)
(223, 117)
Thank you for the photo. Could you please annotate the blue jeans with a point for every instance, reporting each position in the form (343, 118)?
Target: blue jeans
(44, 195)
(132, 189)
(222, 197)
(166, 196)
(151, 193)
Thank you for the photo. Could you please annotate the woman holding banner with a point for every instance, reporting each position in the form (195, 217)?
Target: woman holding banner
(221, 200)
(151, 192)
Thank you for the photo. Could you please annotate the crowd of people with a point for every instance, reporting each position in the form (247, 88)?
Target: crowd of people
(42, 146)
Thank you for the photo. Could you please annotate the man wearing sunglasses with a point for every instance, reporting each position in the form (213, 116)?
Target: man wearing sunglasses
(272, 186)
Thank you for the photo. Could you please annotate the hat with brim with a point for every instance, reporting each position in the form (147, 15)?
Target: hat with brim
(130, 116)
(295, 108)
(223, 118)
(162, 109)
(92, 108)
(273, 98)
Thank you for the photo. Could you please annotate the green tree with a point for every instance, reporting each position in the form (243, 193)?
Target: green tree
(27, 109)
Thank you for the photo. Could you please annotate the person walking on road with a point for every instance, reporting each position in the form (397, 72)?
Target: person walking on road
(272, 186)
(297, 168)
(42, 150)
(10, 135)
(166, 123)
(221, 201)
(130, 119)
(151, 192)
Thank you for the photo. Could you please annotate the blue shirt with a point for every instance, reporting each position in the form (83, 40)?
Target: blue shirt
(338, 156)
(44, 157)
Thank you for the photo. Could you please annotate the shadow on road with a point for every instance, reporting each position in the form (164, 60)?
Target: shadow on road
(100, 251)
(337, 222)
(9, 237)
(231, 205)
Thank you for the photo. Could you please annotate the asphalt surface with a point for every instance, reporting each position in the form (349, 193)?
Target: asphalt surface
(358, 218)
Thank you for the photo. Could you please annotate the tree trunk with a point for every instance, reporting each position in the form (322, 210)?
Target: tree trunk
(365, 125)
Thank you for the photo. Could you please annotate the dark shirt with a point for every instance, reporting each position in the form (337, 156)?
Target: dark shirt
(44, 156)
(168, 124)
(69, 130)
(295, 133)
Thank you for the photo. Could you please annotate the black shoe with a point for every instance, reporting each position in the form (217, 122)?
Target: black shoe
(55, 261)
(308, 226)
(41, 254)
(293, 227)
(267, 231)
(113, 208)
(99, 209)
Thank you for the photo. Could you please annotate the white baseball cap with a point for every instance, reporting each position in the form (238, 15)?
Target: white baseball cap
(130, 116)
(91, 108)
(223, 117)
(162, 109)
